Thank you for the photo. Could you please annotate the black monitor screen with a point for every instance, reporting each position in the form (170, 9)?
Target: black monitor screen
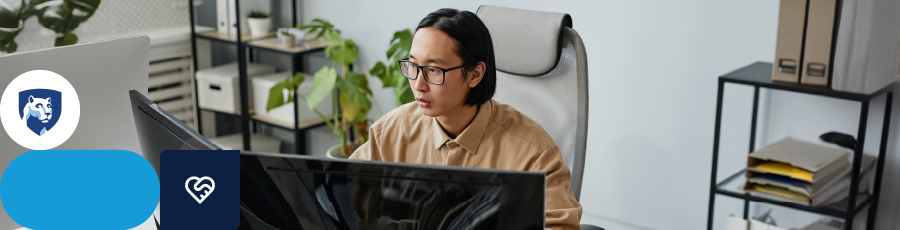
(349, 194)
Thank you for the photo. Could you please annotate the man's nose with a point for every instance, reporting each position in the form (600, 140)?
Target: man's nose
(420, 84)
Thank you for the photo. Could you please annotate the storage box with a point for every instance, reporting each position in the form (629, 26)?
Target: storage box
(284, 115)
(258, 143)
(218, 87)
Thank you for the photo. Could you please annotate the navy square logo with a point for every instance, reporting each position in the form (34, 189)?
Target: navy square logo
(200, 189)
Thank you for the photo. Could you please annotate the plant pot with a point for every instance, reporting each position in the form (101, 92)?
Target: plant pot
(334, 152)
(259, 26)
(287, 41)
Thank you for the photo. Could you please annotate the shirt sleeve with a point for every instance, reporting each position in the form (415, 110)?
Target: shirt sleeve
(563, 210)
(369, 151)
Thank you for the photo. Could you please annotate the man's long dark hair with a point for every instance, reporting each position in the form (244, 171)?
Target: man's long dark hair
(473, 45)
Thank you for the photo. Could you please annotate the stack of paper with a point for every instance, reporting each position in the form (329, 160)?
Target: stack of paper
(803, 172)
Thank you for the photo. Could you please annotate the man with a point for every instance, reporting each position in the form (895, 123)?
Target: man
(454, 121)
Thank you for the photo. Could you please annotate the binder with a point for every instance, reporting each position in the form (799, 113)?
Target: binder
(789, 45)
(818, 42)
(864, 61)
(222, 16)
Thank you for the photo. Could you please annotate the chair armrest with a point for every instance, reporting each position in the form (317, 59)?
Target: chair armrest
(590, 227)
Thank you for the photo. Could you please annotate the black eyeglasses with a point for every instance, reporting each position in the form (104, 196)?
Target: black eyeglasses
(411, 70)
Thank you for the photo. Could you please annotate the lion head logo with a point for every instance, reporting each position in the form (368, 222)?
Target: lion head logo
(40, 109)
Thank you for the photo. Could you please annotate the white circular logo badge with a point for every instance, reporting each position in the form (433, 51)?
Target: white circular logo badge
(39, 110)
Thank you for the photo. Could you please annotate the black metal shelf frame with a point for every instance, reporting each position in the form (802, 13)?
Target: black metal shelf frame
(242, 48)
(759, 75)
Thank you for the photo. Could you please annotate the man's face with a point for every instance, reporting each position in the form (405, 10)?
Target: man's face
(433, 47)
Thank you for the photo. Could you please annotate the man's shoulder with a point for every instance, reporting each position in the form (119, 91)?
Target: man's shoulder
(520, 125)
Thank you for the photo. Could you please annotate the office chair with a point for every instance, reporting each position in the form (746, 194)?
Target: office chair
(542, 72)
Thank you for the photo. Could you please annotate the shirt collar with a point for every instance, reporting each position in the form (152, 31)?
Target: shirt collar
(471, 137)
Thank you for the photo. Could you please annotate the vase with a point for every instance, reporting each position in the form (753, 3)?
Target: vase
(259, 27)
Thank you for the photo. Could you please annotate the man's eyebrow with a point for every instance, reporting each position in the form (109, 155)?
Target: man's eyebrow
(430, 60)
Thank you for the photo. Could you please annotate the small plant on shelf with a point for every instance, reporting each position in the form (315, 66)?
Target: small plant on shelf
(258, 14)
(259, 23)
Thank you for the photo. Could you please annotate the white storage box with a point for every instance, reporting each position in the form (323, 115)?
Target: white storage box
(258, 143)
(218, 87)
(283, 114)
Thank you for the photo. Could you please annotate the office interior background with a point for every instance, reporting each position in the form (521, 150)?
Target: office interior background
(653, 67)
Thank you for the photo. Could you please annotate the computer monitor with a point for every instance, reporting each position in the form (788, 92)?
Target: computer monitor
(157, 130)
(286, 191)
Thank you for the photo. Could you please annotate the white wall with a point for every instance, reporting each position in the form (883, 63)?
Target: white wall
(653, 67)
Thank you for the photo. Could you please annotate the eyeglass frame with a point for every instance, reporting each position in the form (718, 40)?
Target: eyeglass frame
(419, 69)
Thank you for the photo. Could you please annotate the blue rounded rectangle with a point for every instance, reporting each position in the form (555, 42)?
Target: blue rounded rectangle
(70, 189)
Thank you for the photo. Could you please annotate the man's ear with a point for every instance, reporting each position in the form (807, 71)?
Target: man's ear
(477, 74)
(30, 98)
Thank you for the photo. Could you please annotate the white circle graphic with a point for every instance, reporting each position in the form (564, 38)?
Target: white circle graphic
(16, 126)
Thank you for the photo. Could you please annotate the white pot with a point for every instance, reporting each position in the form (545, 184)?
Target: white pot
(334, 152)
(259, 26)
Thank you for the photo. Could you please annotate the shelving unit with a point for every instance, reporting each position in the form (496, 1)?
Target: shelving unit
(759, 75)
(249, 120)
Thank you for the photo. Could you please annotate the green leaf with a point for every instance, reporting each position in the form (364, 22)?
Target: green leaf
(404, 95)
(360, 81)
(323, 27)
(382, 72)
(354, 91)
(8, 18)
(276, 96)
(297, 81)
(344, 52)
(64, 16)
(11, 24)
(352, 111)
(398, 78)
(67, 39)
(400, 45)
(323, 85)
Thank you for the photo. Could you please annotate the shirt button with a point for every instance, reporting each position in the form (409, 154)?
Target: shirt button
(452, 144)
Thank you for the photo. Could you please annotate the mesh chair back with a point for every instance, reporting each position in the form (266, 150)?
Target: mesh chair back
(555, 95)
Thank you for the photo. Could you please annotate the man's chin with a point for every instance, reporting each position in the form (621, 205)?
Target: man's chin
(427, 112)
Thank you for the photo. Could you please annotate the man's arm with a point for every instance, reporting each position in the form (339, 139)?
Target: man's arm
(563, 211)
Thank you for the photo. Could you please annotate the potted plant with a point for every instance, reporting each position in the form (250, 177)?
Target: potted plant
(350, 123)
(390, 73)
(63, 17)
(259, 23)
(287, 39)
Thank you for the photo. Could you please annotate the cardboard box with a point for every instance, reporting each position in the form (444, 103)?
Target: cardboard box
(218, 88)
(285, 114)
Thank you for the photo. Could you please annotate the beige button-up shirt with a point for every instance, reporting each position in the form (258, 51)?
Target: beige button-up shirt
(499, 138)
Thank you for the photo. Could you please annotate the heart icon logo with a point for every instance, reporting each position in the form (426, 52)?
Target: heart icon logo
(199, 187)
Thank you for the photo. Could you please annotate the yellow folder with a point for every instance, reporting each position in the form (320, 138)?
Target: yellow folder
(785, 170)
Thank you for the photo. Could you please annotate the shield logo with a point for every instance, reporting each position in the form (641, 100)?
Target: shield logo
(40, 109)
